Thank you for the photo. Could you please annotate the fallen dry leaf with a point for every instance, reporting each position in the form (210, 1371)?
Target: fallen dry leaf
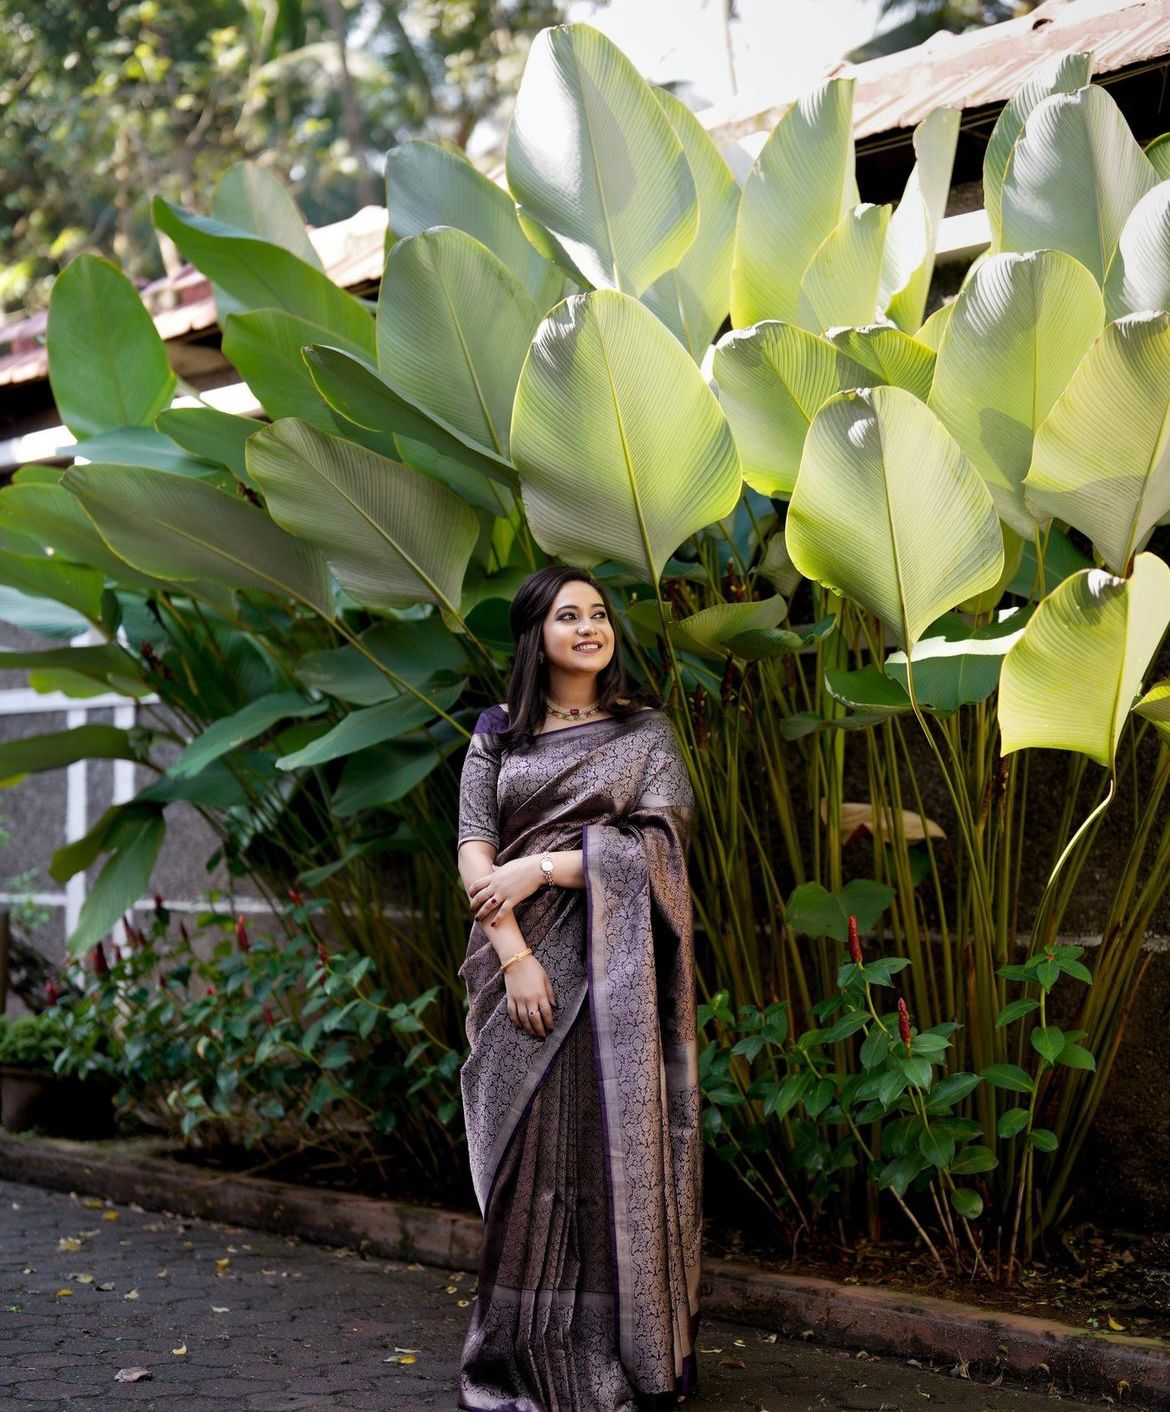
(182, 1348)
(220, 1309)
(1113, 1324)
(130, 1294)
(93, 1203)
(222, 1263)
(68, 1243)
(162, 1274)
(111, 1215)
(463, 1303)
(132, 1375)
(107, 1284)
(64, 1293)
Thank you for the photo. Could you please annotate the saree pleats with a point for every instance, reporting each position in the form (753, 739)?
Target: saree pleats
(585, 1146)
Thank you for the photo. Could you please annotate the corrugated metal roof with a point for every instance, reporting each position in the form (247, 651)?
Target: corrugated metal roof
(972, 70)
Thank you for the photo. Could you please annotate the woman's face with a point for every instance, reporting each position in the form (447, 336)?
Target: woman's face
(578, 636)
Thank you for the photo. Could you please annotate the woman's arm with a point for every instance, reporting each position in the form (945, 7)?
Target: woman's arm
(476, 858)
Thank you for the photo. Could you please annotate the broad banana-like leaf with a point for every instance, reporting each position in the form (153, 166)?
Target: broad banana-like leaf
(1101, 461)
(801, 187)
(890, 355)
(107, 364)
(1062, 73)
(250, 197)
(1013, 552)
(1070, 681)
(230, 732)
(1139, 273)
(593, 159)
(840, 284)
(1074, 175)
(264, 347)
(56, 749)
(935, 326)
(1155, 706)
(360, 393)
(210, 434)
(957, 664)
(260, 275)
(385, 773)
(610, 467)
(391, 536)
(73, 585)
(908, 261)
(361, 729)
(182, 530)
(42, 616)
(888, 511)
(454, 325)
(692, 299)
(1017, 333)
(1158, 152)
(414, 650)
(134, 840)
(772, 379)
(142, 446)
(428, 185)
(867, 690)
(106, 663)
(756, 644)
(708, 631)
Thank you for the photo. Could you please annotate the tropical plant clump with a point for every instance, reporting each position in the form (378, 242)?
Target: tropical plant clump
(849, 542)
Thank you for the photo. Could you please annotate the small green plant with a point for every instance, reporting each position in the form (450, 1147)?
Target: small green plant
(32, 1041)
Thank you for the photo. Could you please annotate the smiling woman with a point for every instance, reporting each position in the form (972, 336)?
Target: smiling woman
(575, 812)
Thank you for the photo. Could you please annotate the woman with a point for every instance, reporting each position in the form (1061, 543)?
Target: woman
(581, 1092)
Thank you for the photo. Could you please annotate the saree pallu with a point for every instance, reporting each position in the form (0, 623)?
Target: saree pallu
(585, 1145)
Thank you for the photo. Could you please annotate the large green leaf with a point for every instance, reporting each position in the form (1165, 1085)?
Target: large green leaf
(384, 773)
(1155, 706)
(772, 379)
(428, 185)
(107, 364)
(141, 446)
(184, 530)
(1074, 176)
(1158, 151)
(591, 412)
(957, 664)
(1018, 330)
(840, 284)
(1070, 681)
(134, 839)
(391, 535)
(413, 650)
(593, 159)
(888, 511)
(252, 198)
(1063, 73)
(104, 663)
(1101, 460)
(692, 299)
(908, 262)
(801, 186)
(43, 616)
(210, 434)
(710, 630)
(361, 729)
(261, 275)
(230, 732)
(454, 325)
(74, 585)
(57, 749)
(1138, 277)
(889, 355)
(360, 392)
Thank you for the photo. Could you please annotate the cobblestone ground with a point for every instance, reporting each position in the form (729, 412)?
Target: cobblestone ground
(224, 1317)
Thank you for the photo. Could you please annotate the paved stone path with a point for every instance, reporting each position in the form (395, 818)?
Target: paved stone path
(228, 1318)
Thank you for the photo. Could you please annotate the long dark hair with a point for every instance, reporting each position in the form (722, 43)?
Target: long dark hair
(528, 682)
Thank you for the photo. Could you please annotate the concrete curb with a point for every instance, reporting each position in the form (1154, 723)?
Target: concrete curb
(875, 1318)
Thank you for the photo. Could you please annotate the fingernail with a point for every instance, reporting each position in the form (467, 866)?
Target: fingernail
(491, 924)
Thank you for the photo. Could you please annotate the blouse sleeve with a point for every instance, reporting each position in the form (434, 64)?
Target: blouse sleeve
(478, 804)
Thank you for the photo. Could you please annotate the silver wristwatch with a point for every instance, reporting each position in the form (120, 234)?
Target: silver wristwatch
(546, 867)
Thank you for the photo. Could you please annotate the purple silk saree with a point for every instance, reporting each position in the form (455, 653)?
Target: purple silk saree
(585, 1146)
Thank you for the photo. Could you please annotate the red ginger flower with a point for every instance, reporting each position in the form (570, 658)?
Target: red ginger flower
(52, 994)
(854, 942)
(101, 967)
(269, 1017)
(295, 897)
(903, 1022)
(242, 934)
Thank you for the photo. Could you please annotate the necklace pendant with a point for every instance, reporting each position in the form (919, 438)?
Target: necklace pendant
(574, 710)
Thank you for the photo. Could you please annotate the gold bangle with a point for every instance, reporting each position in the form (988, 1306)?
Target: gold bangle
(505, 964)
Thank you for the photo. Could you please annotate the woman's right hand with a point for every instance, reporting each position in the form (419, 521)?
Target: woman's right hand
(529, 988)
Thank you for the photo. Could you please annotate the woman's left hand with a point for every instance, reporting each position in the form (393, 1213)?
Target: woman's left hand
(499, 890)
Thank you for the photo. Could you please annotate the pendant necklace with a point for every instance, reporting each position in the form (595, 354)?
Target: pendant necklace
(573, 713)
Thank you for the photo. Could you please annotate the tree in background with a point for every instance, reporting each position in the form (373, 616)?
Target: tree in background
(105, 103)
(922, 18)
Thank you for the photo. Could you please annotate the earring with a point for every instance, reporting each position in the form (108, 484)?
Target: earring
(540, 656)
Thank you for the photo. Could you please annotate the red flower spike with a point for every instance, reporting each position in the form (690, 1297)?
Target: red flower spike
(295, 897)
(242, 934)
(854, 943)
(211, 990)
(158, 901)
(52, 994)
(269, 1017)
(322, 954)
(101, 967)
(903, 1022)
